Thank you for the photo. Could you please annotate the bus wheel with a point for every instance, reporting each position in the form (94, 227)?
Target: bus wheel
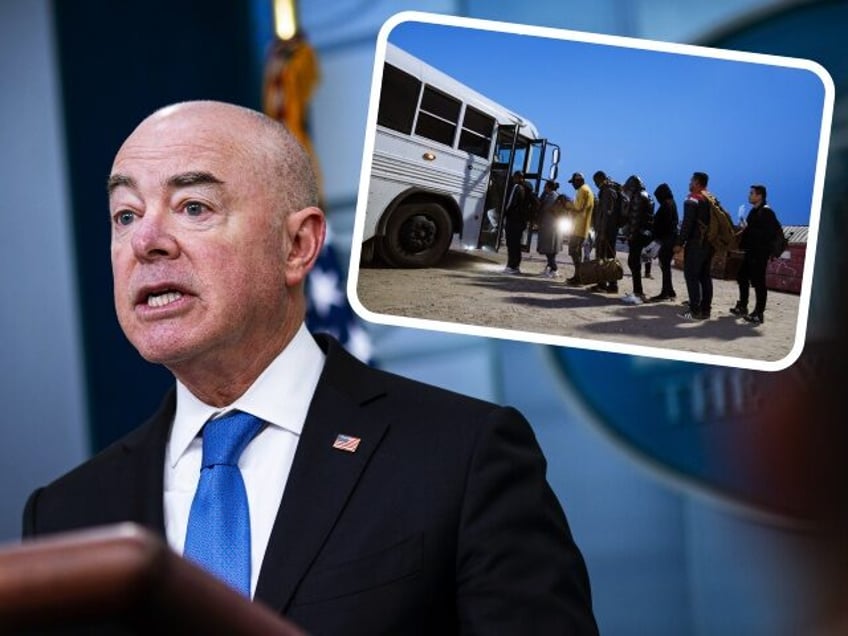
(417, 235)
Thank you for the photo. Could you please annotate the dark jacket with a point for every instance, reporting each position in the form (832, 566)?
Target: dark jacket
(515, 204)
(605, 217)
(761, 229)
(666, 219)
(441, 522)
(640, 215)
(695, 208)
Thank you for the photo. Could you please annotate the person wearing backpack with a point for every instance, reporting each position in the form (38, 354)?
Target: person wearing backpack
(580, 212)
(606, 221)
(758, 240)
(516, 220)
(698, 256)
(665, 232)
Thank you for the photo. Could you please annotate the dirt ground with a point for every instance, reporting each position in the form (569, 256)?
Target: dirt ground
(469, 288)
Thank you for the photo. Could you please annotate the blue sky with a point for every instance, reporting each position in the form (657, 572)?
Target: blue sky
(655, 114)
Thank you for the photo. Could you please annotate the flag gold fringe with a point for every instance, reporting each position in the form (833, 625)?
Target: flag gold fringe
(291, 76)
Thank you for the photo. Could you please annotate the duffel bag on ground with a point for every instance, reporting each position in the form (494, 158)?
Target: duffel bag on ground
(600, 270)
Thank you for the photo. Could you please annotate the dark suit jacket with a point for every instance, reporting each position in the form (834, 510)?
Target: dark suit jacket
(441, 522)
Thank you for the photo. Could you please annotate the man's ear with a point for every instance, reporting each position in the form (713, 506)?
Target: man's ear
(306, 230)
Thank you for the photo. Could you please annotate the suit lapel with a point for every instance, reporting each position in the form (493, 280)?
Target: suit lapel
(140, 478)
(322, 477)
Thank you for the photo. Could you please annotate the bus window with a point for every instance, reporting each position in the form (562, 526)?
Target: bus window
(438, 116)
(504, 154)
(533, 164)
(476, 135)
(507, 152)
(398, 99)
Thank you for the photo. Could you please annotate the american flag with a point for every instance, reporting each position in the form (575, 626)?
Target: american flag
(291, 75)
(346, 443)
(327, 308)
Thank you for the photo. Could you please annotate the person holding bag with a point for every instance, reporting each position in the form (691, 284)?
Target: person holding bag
(666, 221)
(639, 233)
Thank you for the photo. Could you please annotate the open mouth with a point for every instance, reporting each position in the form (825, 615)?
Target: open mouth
(161, 299)
(157, 296)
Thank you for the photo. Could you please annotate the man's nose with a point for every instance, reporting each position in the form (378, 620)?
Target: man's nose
(153, 236)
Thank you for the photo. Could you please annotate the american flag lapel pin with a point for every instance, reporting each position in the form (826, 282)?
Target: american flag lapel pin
(346, 443)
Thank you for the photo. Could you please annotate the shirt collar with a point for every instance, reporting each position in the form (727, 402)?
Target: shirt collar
(280, 395)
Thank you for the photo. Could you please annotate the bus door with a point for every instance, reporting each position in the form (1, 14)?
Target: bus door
(538, 151)
(513, 152)
(510, 149)
(534, 158)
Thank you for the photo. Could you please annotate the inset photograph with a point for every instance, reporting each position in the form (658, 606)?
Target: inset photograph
(590, 191)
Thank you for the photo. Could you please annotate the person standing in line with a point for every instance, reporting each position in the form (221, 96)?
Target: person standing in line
(698, 256)
(549, 241)
(606, 221)
(580, 212)
(640, 219)
(516, 222)
(666, 221)
(757, 240)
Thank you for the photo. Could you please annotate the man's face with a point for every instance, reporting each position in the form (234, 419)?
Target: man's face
(754, 197)
(197, 257)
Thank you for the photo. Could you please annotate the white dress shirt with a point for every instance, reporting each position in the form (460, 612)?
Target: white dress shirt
(280, 396)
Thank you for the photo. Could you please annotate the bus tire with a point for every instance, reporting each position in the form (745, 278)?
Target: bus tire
(417, 235)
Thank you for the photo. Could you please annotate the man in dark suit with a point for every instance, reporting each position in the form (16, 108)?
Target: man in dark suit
(377, 505)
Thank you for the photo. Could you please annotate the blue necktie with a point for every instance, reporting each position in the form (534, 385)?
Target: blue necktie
(218, 535)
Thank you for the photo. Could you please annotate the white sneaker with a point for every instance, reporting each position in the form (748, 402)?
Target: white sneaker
(631, 299)
(511, 270)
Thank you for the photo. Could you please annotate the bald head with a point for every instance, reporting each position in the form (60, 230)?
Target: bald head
(251, 139)
(214, 230)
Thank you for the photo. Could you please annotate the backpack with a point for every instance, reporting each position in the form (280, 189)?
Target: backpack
(530, 204)
(646, 218)
(780, 242)
(619, 201)
(720, 233)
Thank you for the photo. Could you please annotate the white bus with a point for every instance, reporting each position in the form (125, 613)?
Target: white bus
(442, 157)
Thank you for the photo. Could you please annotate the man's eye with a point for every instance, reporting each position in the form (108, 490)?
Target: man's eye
(193, 208)
(125, 217)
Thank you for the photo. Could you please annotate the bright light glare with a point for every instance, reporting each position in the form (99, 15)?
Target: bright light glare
(564, 225)
(285, 22)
